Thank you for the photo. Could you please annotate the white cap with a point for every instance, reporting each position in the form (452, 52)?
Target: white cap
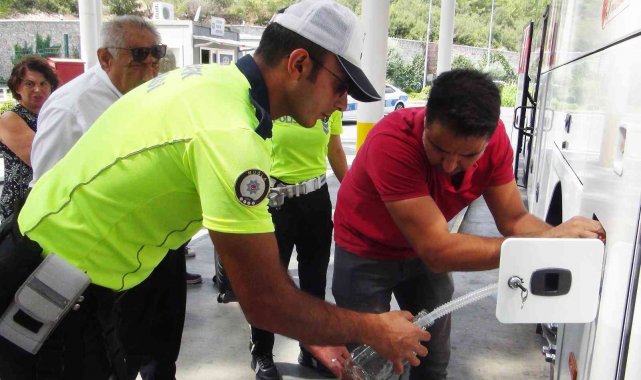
(337, 29)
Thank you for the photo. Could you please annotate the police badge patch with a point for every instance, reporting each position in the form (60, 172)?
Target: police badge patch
(252, 187)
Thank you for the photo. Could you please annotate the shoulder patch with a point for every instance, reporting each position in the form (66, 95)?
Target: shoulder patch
(252, 187)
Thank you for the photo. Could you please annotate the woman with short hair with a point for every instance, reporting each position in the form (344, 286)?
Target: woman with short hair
(31, 82)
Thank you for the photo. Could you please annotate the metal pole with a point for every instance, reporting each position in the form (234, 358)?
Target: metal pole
(489, 39)
(427, 45)
(375, 19)
(90, 12)
(65, 44)
(446, 36)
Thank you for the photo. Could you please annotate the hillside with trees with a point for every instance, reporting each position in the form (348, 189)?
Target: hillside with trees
(408, 18)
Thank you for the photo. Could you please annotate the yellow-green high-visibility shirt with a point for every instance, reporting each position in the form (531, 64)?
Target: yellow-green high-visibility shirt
(298, 153)
(175, 154)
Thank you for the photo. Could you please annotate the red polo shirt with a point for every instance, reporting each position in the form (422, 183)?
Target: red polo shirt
(392, 165)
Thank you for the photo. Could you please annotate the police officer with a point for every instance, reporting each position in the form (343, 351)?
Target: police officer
(302, 218)
(185, 150)
(129, 55)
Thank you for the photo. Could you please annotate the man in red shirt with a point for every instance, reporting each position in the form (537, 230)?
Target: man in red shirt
(416, 170)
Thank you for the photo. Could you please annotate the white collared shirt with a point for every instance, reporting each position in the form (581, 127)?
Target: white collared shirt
(67, 115)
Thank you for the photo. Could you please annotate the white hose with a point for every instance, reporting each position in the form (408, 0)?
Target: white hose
(424, 319)
(367, 364)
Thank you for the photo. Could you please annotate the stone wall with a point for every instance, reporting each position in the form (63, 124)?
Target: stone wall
(407, 49)
(20, 31)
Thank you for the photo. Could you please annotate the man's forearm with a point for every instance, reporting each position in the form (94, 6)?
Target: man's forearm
(461, 252)
(311, 320)
(270, 301)
(528, 225)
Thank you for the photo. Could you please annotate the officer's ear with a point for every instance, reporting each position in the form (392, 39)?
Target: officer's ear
(299, 63)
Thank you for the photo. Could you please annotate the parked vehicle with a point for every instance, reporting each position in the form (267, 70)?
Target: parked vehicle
(394, 99)
(579, 136)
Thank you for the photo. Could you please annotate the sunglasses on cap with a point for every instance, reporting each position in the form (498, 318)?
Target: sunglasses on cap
(139, 54)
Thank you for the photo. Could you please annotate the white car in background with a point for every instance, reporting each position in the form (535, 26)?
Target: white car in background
(394, 99)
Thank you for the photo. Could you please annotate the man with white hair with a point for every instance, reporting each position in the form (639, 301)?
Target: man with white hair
(129, 55)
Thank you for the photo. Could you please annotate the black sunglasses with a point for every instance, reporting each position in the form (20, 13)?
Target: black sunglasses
(342, 86)
(139, 54)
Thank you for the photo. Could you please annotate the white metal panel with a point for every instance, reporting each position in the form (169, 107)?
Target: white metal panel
(523, 256)
(177, 35)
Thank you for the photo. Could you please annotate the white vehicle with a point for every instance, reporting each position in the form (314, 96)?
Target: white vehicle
(579, 135)
(394, 99)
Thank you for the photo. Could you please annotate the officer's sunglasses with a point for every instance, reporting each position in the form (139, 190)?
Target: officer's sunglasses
(342, 87)
(139, 54)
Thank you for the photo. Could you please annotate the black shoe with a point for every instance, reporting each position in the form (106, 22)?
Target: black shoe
(308, 360)
(264, 367)
(193, 278)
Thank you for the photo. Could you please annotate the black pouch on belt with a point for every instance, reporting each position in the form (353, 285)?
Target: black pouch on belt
(19, 257)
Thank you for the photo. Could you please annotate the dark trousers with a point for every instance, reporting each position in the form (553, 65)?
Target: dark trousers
(145, 323)
(153, 316)
(367, 286)
(304, 222)
(79, 347)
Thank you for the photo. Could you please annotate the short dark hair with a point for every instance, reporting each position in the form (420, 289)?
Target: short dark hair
(278, 42)
(465, 102)
(33, 63)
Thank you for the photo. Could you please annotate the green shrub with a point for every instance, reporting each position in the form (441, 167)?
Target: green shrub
(407, 76)
(500, 68)
(43, 48)
(462, 62)
(6, 106)
(508, 95)
(425, 92)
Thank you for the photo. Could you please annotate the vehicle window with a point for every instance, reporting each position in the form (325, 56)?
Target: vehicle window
(388, 90)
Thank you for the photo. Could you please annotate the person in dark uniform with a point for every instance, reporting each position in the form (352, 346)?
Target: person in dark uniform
(304, 221)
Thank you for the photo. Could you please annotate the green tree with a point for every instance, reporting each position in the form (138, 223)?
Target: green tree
(408, 18)
(500, 68)
(27, 6)
(257, 12)
(5, 7)
(21, 51)
(58, 6)
(462, 62)
(122, 7)
(354, 5)
(508, 95)
(44, 48)
(407, 76)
